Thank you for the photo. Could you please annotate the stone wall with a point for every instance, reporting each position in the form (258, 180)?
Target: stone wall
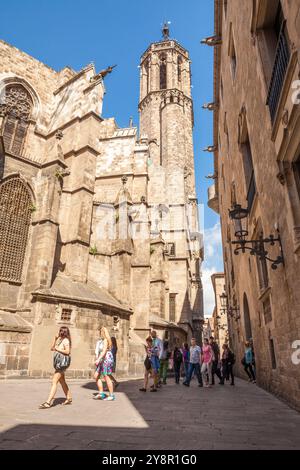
(274, 308)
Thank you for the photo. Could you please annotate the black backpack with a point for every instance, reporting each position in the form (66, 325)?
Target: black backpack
(177, 356)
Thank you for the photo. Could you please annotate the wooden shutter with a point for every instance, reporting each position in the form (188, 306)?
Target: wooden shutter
(19, 137)
(9, 130)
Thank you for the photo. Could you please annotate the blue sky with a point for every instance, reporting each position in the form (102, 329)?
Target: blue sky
(107, 32)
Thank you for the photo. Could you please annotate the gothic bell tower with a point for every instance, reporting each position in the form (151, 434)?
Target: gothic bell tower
(166, 108)
(166, 121)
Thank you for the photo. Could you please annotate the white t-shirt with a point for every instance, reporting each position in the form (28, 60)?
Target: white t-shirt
(99, 347)
(195, 354)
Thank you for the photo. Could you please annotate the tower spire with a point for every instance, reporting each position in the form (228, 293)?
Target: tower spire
(166, 30)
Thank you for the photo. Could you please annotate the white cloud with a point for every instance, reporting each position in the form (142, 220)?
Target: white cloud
(209, 296)
(213, 263)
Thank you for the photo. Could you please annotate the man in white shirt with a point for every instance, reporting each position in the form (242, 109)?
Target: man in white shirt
(157, 343)
(195, 364)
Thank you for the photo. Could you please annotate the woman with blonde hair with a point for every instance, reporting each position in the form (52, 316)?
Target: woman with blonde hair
(61, 361)
(104, 366)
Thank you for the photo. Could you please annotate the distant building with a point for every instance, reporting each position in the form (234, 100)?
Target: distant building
(208, 329)
(220, 321)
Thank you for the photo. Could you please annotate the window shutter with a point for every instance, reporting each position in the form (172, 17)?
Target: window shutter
(8, 131)
(19, 137)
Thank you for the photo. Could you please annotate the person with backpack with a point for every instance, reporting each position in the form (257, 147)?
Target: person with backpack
(177, 361)
(247, 362)
(228, 360)
(186, 359)
(164, 362)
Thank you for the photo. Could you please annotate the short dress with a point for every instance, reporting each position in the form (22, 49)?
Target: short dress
(105, 367)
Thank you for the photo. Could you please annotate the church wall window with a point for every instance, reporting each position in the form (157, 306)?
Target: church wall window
(163, 72)
(15, 217)
(179, 69)
(16, 105)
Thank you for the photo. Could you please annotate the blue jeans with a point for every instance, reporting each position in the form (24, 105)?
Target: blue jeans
(196, 368)
(186, 370)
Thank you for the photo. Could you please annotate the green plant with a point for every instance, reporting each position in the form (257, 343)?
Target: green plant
(32, 208)
(152, 250)
(117, 218)
(59, 174)
(93, 250)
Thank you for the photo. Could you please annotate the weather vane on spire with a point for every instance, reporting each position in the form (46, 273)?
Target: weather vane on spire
(166, 30)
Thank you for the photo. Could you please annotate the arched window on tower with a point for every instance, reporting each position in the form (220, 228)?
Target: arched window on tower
(179, 69)
(15, 216)
(163, 72)
(147, 73)
(16, 104)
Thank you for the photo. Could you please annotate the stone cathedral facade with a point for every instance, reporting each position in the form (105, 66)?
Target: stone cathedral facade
(98, 224)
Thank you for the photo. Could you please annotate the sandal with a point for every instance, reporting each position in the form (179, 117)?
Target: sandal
(45, 405)
(68, 401)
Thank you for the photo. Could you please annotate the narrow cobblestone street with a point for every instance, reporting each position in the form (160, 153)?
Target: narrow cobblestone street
(240, 417)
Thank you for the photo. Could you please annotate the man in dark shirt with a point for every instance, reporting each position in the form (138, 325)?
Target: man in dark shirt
(215, 364)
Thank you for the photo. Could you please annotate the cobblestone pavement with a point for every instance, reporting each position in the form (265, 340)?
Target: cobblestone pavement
(176, 417)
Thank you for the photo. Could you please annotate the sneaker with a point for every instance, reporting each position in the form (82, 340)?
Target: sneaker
(110, 398)
(100, 396)
(142, 390)
(153, 390)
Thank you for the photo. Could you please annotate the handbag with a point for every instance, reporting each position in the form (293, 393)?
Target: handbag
(61, 361)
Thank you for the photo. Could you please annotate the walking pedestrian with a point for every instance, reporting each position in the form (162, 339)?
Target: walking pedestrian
(177, 361)
(114, 351)
(147, 364)
(228, 360)
(164, 363)
(186, 359)
(207, 361)
(104, 365)
(195, 364)
(216, 362)
(98, 349)
(155, 364)
(247, 362)
(157, 345)
(61, 361)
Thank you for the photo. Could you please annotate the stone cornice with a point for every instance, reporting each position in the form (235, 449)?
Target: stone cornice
(47, 135)
(169, 44)
(80, 301)
(148, 97)
(76, 190)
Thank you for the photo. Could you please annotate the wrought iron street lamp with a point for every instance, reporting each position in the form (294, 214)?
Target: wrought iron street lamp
(234, 312)
(224, 303)
(256, 247)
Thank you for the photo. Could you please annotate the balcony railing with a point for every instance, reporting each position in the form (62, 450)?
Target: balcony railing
(282, 58)
(251, 192)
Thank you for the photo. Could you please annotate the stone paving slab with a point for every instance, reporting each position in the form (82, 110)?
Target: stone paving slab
(176, 417)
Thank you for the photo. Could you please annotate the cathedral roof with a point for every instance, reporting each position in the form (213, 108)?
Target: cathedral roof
(65, 288)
